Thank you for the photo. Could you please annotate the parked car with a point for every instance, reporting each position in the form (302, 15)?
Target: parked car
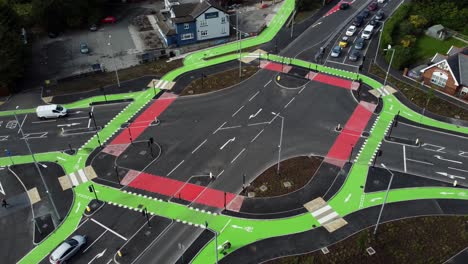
(109, 20)
(67, 249)
(367, 32)
(343, 42)
(344, 5)
(380, 15)
(358, 21)
(336, 51)
(373, 6)
(354, 55)
(93, 27)
(365, 14)
(351, 30)
(84, 48)
(359, 44)
(381, 1)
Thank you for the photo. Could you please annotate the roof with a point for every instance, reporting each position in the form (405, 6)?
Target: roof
(438, 57)
(188, 12)
(453, 50)
(458, 64)
(436, 28)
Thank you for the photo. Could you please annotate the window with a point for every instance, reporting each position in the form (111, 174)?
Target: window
(186, 36)
(186, 26)
(223, 20)
(211, 15)
(439, 78)
(203, 23)
(204, 33)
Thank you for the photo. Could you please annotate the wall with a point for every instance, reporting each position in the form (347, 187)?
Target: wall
(450, 86)
(180, 29)
(213, 26)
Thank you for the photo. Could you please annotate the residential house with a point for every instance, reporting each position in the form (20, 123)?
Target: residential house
(449, 73)
(182, 23)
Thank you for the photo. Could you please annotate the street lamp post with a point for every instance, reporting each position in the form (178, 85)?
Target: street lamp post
(91, 115)
(281, 140)
(113, 59)
(385, 199)
(49, 195)
(389, 65)
(239, 40)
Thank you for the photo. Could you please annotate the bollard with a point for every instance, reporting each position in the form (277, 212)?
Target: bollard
(88, 209)
(119, 253)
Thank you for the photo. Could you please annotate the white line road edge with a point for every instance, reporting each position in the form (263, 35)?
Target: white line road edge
(110, 230)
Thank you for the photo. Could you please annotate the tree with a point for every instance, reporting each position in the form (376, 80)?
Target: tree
(418, 21)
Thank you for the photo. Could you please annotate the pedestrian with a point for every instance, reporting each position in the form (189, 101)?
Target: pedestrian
(4, 203)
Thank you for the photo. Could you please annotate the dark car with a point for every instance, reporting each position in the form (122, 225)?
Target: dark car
(358, 21)
(374, 22)
(380, 15)
(344, 5)
(372, 6)
(365, 13)
(354, 55)
(359, 44)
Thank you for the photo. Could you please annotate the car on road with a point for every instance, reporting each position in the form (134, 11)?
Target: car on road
(344, 5)
(336, 51)
(109, 20)
(51, 111)
(367, 32)
(380, 15)
(84, 48)
(344, 42)
(358, 21)
(365, 14)
(374, 22)
(351, 30)
(373, 6)
(67, 249)
(354, 55)
(93, 27)
(381, 1)
(359, 44)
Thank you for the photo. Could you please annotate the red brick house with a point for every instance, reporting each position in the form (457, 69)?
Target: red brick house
(449, 73)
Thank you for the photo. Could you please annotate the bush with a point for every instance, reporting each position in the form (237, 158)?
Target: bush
(393, 22)
(401, 58)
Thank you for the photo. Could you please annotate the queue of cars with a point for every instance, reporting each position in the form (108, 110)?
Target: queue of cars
(353, 29)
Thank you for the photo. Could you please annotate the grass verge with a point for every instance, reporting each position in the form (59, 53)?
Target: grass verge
(297, 171)
(427, 47)
(414, 240)
(218, 81)
(436, 105)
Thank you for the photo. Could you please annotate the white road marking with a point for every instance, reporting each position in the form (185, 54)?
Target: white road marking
(199, 146)
(4, 138)
(175, 167)
(238, 110)
(224, 128)
(22, 123)
(98, 255)
(227, 142)
(251, 98)
(435, 148)
(219, 174)
(457, 169)
(321, 210)
(60, 158)
(33, 135)
(225, 226)
(347, 198)
(73, 179)
(404, 158)
(257, 135)
(446, 193)
(96, 240)
(462, 154)
(68, 125)
(267, 83)
(256, 124)
(45, 121)
(110, 230)
(89, 122)
(289, 102)
(82, 176)
(240, 153)
(316, 24)
(418, 161)
(78, 208)
(254, 115)
(82, 117)
(1, 189)
(302, 89)
(451, 176)
(454, 161)
(219, 128)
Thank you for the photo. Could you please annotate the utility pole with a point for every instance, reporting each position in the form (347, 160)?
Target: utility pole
(389, 65)
(240, 47)
(113, 59)
(385, 199)
(280, 141)
(91, 115)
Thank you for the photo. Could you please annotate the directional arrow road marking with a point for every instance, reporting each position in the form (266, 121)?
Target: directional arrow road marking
(450, 175)
(446, 193)
(347, 198)
(227, 142)
(375, 199)
(254, 115)
(78, 208)
(454, 161)
(69, 125)
(98, 256)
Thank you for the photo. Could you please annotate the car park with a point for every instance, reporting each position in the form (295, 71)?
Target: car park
(359, 44)
(84, 48)
(67, 249)
(380, 15)
(358, 21)
(351, 30)
(365, 13)
(354, 55)
(367, 32)
(336, 51)
(372, 6)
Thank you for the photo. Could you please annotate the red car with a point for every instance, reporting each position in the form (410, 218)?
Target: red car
(372, 6)
(108, 20)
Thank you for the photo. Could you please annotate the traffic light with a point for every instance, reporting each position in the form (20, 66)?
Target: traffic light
(151, 140)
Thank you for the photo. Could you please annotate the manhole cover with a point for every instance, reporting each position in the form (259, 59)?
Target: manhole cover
(143, 152)
(325, 250)
(251, 194)
(263, 188)
(370, 251)
(147, 233)
(287, 184)
(44, 226)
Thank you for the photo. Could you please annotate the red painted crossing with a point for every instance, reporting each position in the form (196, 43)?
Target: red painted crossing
(336, 8)
(331, 80)
(186, 191)
(349, 136)
(143, 121)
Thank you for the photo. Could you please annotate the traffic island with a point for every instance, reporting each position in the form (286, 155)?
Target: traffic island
(139, 154)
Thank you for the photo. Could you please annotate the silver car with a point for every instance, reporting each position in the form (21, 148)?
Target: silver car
(67, 249)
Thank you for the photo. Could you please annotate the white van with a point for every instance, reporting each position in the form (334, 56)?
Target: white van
(51, 111)
(367, 32)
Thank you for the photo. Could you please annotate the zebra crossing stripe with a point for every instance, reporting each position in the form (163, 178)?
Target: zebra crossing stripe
(321, 210)
(73, 179)
(82, 176)
(328, 217)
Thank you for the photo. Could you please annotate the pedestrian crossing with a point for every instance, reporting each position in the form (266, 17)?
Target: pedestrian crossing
(161, 84)
(78, 177)
(325, 214)
(383, 91)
